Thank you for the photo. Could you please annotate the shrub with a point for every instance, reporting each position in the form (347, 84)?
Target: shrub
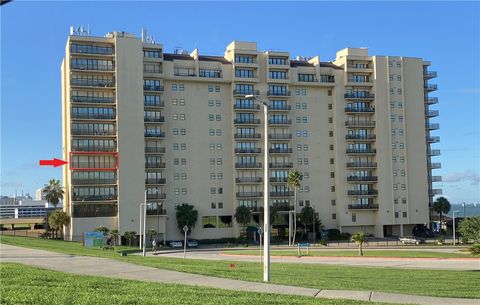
(475, 249)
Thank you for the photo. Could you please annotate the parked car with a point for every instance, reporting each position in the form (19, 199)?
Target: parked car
(176, 244)
(192, 243)
(411, 240)
(422, 231)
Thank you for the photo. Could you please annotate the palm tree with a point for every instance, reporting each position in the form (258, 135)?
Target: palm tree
(186, 216)
(308, 217)
(102, 229)
(115, 233)
(58, 219)
(129, 235)
(293, 181)
(243, 215)
(441, 206)
(53, 192)
(359, 238)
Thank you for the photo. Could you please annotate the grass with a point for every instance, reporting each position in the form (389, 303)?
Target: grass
(31, 286)
(409, 281)
(354, 253)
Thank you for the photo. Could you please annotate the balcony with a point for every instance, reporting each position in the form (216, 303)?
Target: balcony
(281, 193)
(93, 83)
(251, 136)
(154, 134)
(430, 87)
(153, 88)
(237, 92)
(360, 123)
(434, 139)
(435, 179)
(360, 95)
(151, 119)
(93, 181)
(154, 150)
(246, 121)
(359, 109)
(278, 179)
(370, 206)
(434, 165)
(249, 194)
(93, 116)
(279, 122)
(361, 151)
(94, 148)
(433, 192)
(153, 71)
(281, 207)
(248, 165)
(154, 181)
(280, 136)
(327, 78)
(279, 107)
(278, 93)
(246, 107)
(93, 99)
(430, 100)
(280, 150)
(90, 49)
(156, 196)
(362, 178)
(184, 72)
(248, 150)
(156, 212)
(248, 179)
(153, 104)
(362, 192)
(88, 132)
(433, 152)
(280, 165)
(361, 164)
(429, 74)
(432, 113)
(360, 137)
(155, 165)
(432, 126)
(94, 197)
(105, 68)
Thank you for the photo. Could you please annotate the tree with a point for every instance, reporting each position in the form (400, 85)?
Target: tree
(151, 234)
(53, 192)
(186, 216)
(57, 220)
(102, 229)
(243, 215)
(115, 235)
(441, 206)
(308, 217)
(129, 235)
(359, 238)
(470, 228)
(293, 181)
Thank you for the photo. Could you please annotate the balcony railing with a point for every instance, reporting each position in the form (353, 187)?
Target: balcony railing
(362, 178)
(279, 122)
(433, 192)
(94, 197)
(184, 72)
(248, 150)
(279, 107)
(156, 212)
(93, 83)
(280, 165)
(153, 71)
(153, 104)
(435, 179)
(432, 113)
(248, 179)
(363, 192)
(249, 194)
(432, 126)
(280, 136)
(431, 100)
(370, 206)
(281, 193)
(94, 148)
(155, 181)
(155, 165)
(92, 99)
(361, 164)
(280, 150)
(429, 74)
(433, 152)
(245, 92)
(248, 165)
(360, 81)
(85, 132)
(157, 196)
(434, 139)
(359, 95)
(359, 109)
(360, 123)
(93, 116)
(246, 107)
(247, 121)
(159, 119)
(93, 68)
(153, 88)
(278, 93)
(154, 134)
(93, 181)
(430, 87)
(247, 136)
(278, 179)
(361, 151)
(281, 207)
(434, 165)
(360, 137)
(159, 150)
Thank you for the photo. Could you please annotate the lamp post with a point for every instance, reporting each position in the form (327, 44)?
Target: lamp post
(143, 217)
(453, 213)
(464, 210)
(266, 206)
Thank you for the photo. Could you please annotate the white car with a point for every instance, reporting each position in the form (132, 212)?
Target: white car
(176, 244)
(411, 240)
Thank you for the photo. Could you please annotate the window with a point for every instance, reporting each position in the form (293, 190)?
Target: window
(329, 92)
(212, 160)
(332, 188)
(394, 145)
(394, 173)
(391, 91)
(330, 133)
(220, 176)
(220, 205)
(304, 91)
(402, 159)
(182, 116)
(218, 117)
(300, 203)
(330, 120)
(402, 172)
(332, 174)
(210, 88)
(304, 106)
(181, 102)
(399, 64)
(217, 88)
(211, 146)
(331, 147)
(183, 146)
(332, 202)
(174, 102)
(218, 132)
(404, 187)
(354, 217)
(299, 147)
(402, 146)
(330, 106)
(211, 132)
(334, 216)
(181, 87)
(174, 87)
(393, 131)
(395, 187)
(396, 214)
(305, 161)
(176, 176)
(175, 146)
(177, 191)
(400, 118)
(220, 190)
(212, 176)
(390, 77)
(305, 147)
(306, 175)
(209, 222)
(392, 104)
(224, 221)
(307, 188)
(184, 161)
(400, 132)
(332, 161)
(390, 63)
(211, 117)
(399, 77)
(219, 161)
(218, 103)
(400, 104)
(213, 205)
(297, 106)
(305, 133)
(399, 91)
(213, 190)
(404, 200)
(176, 161)
(395, 201)
(175, 116)
(184, 176)
(404, 214)
(219, 146)
(210, 103)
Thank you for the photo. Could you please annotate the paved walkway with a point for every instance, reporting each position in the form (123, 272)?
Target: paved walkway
(467, 263)
(115, 269)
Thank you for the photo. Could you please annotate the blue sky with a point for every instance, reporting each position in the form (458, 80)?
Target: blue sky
(33, 37)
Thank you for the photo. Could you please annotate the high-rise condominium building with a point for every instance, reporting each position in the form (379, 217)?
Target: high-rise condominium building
(178, 128)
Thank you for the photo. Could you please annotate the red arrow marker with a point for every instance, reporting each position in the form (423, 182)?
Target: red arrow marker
(55, 162)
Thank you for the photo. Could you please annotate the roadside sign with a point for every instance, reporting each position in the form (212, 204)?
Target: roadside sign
(93, 239)
(185, 229)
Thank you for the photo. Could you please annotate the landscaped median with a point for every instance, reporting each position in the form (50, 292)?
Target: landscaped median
(460, 284)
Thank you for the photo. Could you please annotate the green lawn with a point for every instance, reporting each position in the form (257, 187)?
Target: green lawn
(408, 281)
(28, 285)
(366, 252)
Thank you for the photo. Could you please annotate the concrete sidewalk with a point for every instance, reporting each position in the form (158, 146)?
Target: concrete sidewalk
(115, 269)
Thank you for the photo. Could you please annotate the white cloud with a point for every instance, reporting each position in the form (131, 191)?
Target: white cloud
(467, 176)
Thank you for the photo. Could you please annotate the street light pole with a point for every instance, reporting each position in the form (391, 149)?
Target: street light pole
(464, 210)
(453, 213)
(266, 206)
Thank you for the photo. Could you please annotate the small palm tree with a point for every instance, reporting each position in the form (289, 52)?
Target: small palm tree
(102, 229)
(359, 238)
(243, 215)
(115, 235)
(441, 206)
(129, 235)
(187, 215)
(58, 219)
(293, 181)
(53, 192)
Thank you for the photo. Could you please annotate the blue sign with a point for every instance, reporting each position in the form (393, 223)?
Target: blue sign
(93, 239)
(303, 245)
